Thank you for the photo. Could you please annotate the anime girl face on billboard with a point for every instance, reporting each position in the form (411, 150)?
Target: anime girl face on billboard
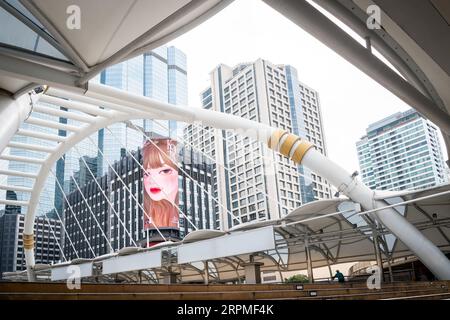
(160, 184)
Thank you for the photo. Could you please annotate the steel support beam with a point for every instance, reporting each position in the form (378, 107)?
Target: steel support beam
(30, 24)
(376, 246)
(37, 58)
(381, 41)
(64, 45)
(318, 25)
(36, 73)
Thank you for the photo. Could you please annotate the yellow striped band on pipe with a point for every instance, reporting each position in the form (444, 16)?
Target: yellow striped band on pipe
(301, 150)
(288, 143)
(275, 138)
(28, 241)
(286, 147)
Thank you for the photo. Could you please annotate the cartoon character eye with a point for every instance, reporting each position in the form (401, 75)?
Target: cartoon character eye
(166, 171)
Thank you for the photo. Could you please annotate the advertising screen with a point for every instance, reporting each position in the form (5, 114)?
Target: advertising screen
(159, 159)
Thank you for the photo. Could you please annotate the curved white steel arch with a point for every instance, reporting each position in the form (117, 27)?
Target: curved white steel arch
(127, 106)
(72, 140)
(94, 124)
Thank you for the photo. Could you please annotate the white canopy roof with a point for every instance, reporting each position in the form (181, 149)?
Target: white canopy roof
(41, 43)
(342, 237)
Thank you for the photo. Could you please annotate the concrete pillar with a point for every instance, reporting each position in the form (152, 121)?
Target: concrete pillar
(253, 271)
(169, 277)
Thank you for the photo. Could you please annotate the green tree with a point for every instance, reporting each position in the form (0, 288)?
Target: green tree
(298, 278)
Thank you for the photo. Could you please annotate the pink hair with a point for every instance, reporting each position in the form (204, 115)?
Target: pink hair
(162, 213)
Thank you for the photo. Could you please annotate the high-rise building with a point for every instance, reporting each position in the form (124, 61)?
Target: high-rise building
(47, 236)
(401, 152)
(269, 94)
(194, 202)
(159, 74)
(165, 79)
(306, 116)
(47, 200)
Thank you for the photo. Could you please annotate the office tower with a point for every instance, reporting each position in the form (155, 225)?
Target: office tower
(306, 116)
(165, 79)
(193, 201)
(401, 152)
(159, 74)
(273, 95)
(15, 164)
(47, 236)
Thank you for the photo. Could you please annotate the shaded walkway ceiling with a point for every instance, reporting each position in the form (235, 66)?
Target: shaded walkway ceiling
(37, 46)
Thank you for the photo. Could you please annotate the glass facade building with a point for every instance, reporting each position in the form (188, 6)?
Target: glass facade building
(194, 202)
(401, 152)
(165, 79)
(306, 116)
(147, 75)
(159, 74)
(47, 241)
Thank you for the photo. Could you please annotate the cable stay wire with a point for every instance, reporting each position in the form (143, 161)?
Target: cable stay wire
(105, 196)
(145, 170)
(125, 185)
(73, 213)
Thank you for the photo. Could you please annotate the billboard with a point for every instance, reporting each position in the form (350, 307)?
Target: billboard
(159, 160)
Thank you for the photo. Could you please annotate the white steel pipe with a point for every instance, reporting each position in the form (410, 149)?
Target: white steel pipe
(216, 119)
(29, 258)
(32, 147)
(13, 202)
(113, 104)
(15, 188)
(40, 135)
(52, 124)
(21, 159)
(422, 247)
(18, 173)
(69, 104)
(64, 114)
(15, 111)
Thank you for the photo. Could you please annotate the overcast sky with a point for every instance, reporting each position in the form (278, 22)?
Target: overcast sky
(249, 29)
